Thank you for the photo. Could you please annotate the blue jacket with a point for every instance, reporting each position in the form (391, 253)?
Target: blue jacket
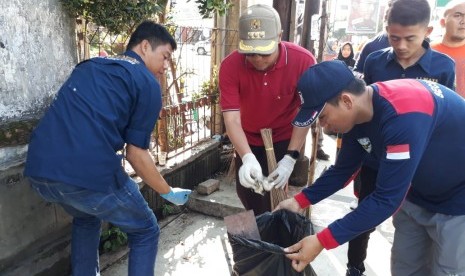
(416, 137)
(104, 104)
(378, 42)
(382, 65)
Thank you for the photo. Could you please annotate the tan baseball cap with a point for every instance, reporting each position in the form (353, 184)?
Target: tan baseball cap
(259, 30)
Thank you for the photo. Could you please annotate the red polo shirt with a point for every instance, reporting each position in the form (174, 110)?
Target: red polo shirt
(266, 99)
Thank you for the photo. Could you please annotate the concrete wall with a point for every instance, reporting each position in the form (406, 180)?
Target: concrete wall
(28, 224)
(37, 52)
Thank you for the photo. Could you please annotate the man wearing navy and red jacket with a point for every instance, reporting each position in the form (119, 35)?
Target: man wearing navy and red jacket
(412, 127)
(409, 57)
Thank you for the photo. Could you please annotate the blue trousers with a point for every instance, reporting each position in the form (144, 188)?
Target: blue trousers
(123, 206)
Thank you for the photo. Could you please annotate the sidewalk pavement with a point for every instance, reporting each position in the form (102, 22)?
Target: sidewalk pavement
(195, 242)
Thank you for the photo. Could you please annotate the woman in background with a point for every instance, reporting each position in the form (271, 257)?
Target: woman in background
(346, 54)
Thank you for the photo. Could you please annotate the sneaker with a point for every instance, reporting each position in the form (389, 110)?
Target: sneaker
(353, 205)
(352, 271)
(320, 154)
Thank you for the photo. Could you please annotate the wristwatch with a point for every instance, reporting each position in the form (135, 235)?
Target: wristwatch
(293, 153)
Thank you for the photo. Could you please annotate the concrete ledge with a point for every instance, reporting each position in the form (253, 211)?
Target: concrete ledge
(221, 203)
(201, 164)
(34, 228)
(50, 260)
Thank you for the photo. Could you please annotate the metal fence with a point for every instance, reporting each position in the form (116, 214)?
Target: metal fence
(190, 113)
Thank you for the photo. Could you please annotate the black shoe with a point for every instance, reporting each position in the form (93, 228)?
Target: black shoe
(320, 154)
(353, 271)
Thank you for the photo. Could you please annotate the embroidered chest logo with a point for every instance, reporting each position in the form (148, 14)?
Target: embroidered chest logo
(365, 143)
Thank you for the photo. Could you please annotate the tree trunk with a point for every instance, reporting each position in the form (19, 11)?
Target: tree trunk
(162, 124)
(284, 8)
(324, 20)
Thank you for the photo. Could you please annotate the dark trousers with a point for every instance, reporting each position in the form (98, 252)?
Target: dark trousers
(251, 200)
(357, 252)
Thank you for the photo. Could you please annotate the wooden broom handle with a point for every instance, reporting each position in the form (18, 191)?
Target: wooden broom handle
(276, 195)
(312, 166)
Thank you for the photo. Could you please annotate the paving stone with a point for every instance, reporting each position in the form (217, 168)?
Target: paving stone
(209, 186)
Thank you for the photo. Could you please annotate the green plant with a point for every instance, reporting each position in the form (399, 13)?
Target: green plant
(210, 87)
(169, 209)
(175, 132)
(112, 239)
(209, 7)
(118, 16)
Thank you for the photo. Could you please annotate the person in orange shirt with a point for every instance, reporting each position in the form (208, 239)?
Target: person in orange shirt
(453, 40)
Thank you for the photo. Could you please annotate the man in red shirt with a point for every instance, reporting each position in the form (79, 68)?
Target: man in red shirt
(258, 85)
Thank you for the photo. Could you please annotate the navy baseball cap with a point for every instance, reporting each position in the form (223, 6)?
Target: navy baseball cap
(319, 84)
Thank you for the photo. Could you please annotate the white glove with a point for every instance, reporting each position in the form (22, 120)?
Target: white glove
(280, 176)
(250, 172)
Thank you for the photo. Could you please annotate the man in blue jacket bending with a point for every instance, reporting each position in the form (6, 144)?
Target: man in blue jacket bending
(413, 129)
(106, 104)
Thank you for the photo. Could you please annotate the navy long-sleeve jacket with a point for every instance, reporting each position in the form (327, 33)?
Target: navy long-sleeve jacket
(417, 136)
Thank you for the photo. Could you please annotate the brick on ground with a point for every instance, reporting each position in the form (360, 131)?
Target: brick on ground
(209, 186)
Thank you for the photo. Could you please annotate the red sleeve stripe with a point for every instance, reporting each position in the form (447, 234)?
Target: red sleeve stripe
(302, 200)
(326, 239)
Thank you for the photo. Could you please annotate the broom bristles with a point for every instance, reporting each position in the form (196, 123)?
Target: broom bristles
(276, 195)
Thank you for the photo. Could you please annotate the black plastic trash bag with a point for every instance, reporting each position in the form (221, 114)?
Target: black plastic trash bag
(278, 230)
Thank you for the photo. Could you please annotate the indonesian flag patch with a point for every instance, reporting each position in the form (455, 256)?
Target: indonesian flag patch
(398, 152)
